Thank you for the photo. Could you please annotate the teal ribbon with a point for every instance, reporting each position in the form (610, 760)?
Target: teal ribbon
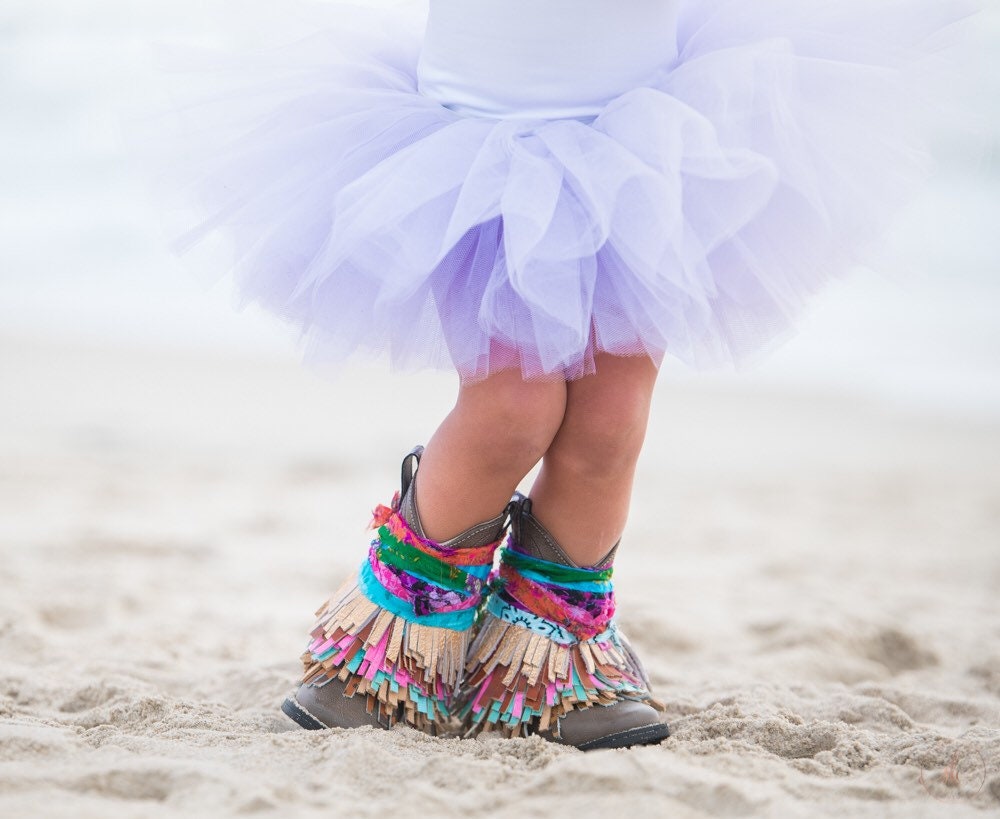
(380, 596)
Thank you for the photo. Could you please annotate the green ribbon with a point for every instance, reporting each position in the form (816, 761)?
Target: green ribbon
(554, 572)
(393, 552)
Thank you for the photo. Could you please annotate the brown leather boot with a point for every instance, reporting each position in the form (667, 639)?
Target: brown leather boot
(549, 658)
(390, 645)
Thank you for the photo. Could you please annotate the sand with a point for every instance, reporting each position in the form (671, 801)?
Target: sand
(811, 578)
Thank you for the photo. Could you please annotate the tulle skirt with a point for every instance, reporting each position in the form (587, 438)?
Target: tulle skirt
(693, 217)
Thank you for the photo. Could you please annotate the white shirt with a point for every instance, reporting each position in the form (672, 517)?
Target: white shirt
(553, 59)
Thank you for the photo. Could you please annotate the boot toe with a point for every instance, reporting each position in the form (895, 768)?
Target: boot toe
(622, 725)
(326, 706)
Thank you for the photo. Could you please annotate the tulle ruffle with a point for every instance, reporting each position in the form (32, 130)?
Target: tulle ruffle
(694, 217)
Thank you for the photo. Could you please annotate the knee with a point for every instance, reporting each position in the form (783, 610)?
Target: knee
(521, 419)
(604, 431)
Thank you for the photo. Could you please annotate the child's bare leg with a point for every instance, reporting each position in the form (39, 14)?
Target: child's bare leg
(498, 431)
(578, 509)
(582, 493)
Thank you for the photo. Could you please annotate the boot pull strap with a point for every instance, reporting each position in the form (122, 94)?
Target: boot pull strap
(519, 506)
(512, 512)
(410, 463)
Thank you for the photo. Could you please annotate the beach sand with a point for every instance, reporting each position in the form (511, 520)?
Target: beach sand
(811, 579)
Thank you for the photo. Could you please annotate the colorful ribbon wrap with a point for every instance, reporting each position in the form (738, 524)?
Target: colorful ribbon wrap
(398, 631)
(548, 644)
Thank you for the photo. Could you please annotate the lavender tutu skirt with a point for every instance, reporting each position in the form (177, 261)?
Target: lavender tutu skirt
(692, 217)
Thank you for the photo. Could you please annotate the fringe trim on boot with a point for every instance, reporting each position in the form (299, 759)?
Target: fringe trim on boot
(525, 672)
(369, 635)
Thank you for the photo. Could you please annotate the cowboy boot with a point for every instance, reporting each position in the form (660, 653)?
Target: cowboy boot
(549, 658)
(389, 646)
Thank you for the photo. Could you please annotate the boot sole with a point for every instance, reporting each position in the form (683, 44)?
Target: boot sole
(644, 735)
(297, 714)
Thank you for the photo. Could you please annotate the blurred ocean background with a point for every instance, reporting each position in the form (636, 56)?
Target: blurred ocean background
(82, 255)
